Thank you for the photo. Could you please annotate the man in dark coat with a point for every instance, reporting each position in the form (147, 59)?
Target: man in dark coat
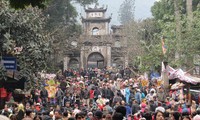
(135, 107)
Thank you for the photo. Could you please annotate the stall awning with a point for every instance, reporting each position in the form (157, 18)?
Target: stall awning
(181, 75)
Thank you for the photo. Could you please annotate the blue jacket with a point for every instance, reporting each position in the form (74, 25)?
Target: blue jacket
(138, 97)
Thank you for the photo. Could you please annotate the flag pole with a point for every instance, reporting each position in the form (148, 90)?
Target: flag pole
(164, 72)
(165, 76)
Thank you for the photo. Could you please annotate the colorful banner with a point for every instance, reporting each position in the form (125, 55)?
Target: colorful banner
(51, 88)
(144, 83)
(164, 47)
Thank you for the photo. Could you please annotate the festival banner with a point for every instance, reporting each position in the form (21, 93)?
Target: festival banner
(164, 47)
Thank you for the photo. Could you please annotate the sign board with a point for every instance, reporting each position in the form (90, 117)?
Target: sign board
(96, 49)
(13, 74)
(10, 63)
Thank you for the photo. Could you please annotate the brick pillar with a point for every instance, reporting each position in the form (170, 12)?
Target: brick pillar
(126, 61)
(66, 62)
(108, 55)
(82, 57)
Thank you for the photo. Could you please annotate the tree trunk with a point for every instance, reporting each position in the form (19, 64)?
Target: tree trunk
(178, 28)
(189, 30)
(189, 58)
(189, 14)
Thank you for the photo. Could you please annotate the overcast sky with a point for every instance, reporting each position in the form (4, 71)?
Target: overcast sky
(142, 9)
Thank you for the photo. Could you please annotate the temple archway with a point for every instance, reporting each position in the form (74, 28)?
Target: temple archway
(95, 60)
(117, 62)
(73, 63)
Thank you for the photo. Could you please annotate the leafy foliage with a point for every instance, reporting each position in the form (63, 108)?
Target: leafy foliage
(2, 72)
(166, 7)
(126, 12)
(60, 12)
(61, 24)
(85, 2)
(150, 44)
(164, 15)
(24, 29)
(43, 34)
(162, 8)
(23, 3)
(150, 31)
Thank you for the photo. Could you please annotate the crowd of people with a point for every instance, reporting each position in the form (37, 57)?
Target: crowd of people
(103, 94)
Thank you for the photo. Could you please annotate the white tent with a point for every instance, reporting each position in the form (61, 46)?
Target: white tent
(172, 73)
(181, 75)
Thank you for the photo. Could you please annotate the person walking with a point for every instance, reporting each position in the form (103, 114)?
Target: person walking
(59, 96)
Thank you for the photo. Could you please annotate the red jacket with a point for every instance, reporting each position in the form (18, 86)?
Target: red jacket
(91, 94)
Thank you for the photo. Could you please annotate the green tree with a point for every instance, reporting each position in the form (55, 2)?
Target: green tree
(24, 28)
(177, 21)
(149, 35)
(162, 8)
(27, 28)
(166, 7)
(21, 4)
(176, 24)
(126, 11)
(62, 24)
(86, 2)
(149, 42)
(143, 43)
